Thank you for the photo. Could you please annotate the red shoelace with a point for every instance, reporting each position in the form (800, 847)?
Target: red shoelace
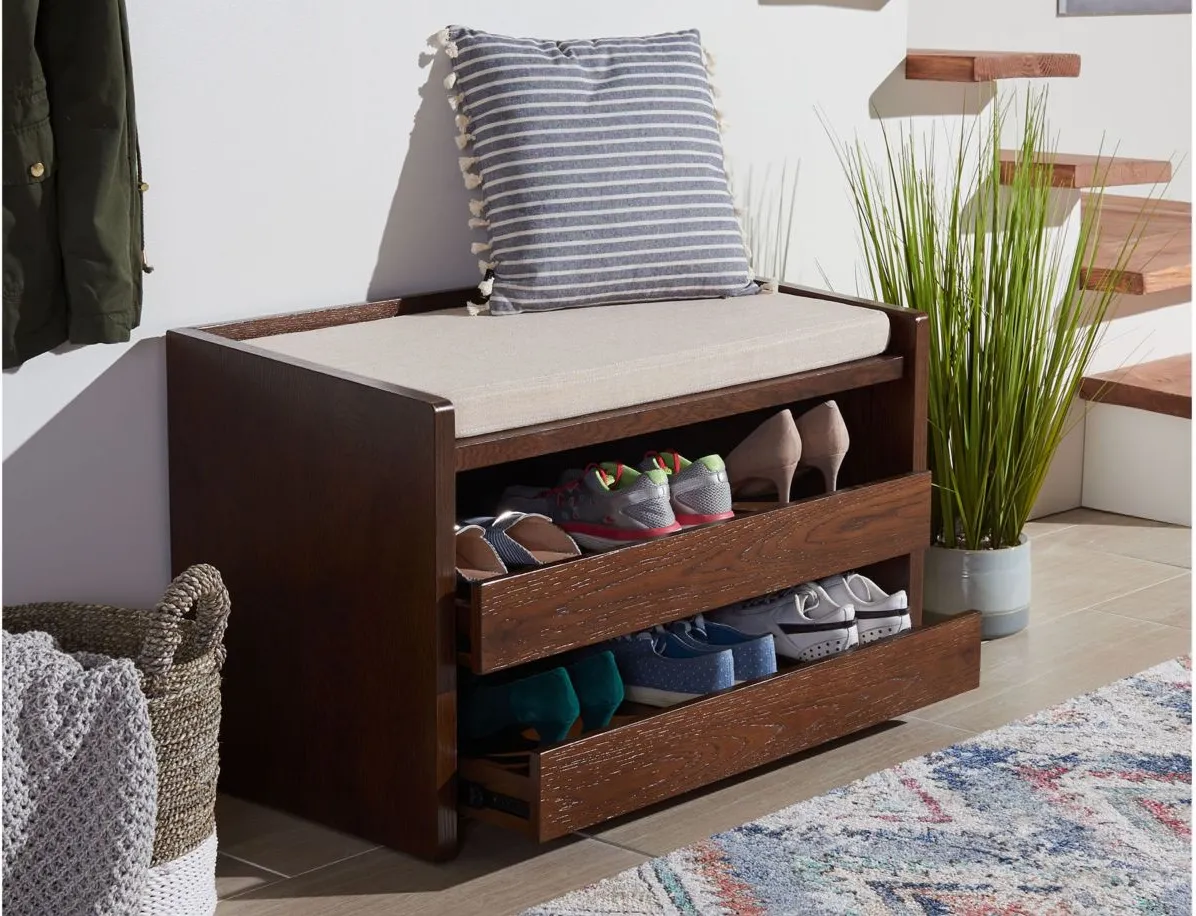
(607, 478)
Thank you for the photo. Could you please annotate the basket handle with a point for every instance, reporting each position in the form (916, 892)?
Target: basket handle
(198, 589)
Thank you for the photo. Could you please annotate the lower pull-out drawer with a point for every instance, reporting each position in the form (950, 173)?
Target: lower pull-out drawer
(667, 752)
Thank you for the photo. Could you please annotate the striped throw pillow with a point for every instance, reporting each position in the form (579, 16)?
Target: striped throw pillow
(599, 169)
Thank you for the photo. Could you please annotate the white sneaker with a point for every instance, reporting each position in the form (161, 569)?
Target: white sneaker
(877, 613)
(806, 624)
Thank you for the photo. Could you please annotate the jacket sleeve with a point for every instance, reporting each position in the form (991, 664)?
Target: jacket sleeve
(83, 45)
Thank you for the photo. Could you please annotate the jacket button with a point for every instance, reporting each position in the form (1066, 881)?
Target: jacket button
(143, 187)
(37, 170)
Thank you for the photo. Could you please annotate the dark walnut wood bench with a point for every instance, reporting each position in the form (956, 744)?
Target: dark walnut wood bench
(320, 459)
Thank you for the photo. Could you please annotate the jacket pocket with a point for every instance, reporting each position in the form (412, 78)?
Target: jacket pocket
(29, 153)
(32, 251)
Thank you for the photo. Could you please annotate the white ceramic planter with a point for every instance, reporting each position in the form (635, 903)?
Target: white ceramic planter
(994, 582)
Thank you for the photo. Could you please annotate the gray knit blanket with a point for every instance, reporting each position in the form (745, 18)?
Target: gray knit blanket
(80, 782)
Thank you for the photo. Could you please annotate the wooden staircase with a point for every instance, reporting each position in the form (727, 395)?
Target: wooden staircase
(1162, 259)
(1137, 455)
(983, 66)
(1132, 452)
(1163, 386)
(1074, 170)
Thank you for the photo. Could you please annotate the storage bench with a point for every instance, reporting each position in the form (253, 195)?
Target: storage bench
(320, 460)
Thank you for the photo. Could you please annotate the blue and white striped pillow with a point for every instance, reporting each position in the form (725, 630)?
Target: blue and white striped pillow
(600, 170)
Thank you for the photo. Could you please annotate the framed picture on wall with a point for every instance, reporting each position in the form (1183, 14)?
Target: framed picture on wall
(1122, 7)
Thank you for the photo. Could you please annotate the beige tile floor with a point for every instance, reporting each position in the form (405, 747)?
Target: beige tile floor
(1112, 596)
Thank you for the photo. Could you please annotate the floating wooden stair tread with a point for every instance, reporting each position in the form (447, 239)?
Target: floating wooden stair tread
(1163, 386)
(982, 66)
(1162, 259)
(1075, 170)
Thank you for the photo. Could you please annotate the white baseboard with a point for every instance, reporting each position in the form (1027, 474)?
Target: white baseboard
(1138, 463)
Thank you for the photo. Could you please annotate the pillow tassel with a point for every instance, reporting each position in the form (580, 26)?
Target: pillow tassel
(464, 100)
(485, 289)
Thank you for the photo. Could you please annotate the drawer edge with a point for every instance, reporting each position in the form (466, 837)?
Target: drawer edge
(587, 781)
(498, 640)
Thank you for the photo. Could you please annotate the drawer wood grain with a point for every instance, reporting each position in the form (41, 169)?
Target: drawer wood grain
(600, 776)
(542, 612)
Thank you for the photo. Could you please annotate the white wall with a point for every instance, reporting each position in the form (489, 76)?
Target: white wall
(293, 163)
(1133, 98)
(298, 156)
(1134, 93)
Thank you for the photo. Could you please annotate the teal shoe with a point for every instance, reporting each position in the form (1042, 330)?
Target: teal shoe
(599, 688)
(545, 702)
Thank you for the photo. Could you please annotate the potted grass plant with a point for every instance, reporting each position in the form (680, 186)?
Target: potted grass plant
(1012, 331)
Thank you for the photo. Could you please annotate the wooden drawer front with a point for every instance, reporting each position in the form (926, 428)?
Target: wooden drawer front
(622, 769)
(546, 611)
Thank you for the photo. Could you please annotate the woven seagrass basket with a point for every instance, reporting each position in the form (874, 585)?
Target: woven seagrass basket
(178, 648)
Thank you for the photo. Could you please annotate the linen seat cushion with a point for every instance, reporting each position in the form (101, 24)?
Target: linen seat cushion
(522, 371)
(599, 167)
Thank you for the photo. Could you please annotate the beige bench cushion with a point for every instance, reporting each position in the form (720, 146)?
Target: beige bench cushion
(513, 371)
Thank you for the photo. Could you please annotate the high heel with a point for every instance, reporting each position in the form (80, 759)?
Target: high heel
(828, 466)
(599, 688)
(770, 455)
(545, 702)
(825, 440)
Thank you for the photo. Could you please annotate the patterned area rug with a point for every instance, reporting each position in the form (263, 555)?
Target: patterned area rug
(1082, 809)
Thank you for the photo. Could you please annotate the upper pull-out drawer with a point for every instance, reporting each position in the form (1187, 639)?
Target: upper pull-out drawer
(538, 613)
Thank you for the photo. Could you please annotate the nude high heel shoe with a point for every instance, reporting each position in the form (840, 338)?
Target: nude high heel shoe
(825, 441)
(767, 459)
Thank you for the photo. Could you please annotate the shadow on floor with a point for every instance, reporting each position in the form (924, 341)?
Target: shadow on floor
(486, 849)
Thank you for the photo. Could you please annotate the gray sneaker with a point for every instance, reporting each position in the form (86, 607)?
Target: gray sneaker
(699, 489)
(605, 506)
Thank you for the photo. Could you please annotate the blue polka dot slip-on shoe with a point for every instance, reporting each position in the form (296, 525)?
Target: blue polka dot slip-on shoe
(754, 656)
(659, 669)
(527, 539)
(805, 622)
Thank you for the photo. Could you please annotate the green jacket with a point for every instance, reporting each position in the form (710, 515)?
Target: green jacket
(73, 248)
